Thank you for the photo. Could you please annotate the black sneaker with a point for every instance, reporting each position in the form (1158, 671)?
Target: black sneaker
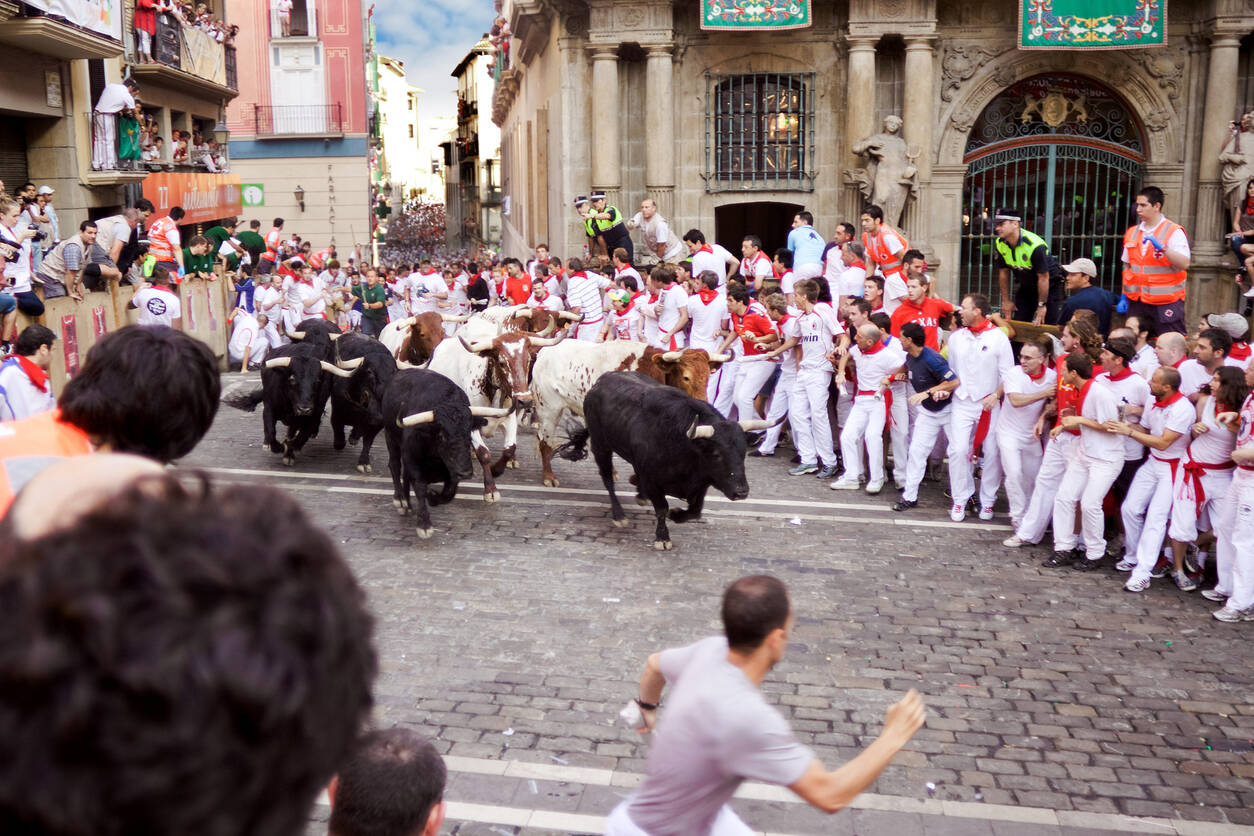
(905, 505)
(758, 454)
(1083, 564)
(1057, 560)
(796, 459)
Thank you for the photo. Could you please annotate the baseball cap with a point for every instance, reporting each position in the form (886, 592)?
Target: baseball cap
(1233, 323)
(1082, 265)
(619, 295)
(46, 190)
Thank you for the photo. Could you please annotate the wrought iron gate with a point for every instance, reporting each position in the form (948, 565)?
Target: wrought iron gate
(1079, 198)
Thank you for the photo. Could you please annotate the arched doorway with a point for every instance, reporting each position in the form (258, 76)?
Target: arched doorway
(1064, 151)
(768, 220)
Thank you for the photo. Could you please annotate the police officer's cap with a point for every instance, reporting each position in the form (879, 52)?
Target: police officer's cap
(597, 196)
(1006, 214)
(581, 200)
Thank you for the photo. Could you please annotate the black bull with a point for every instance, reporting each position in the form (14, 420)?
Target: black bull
(679, 446)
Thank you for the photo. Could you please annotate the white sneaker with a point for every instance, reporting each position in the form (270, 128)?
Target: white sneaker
(986, 512)
(1014, 541)
(844, 483)
(875, 487)
(1214, 595)
(1137, 586)
(1232, 616)
(1125, 565)
(958, 512)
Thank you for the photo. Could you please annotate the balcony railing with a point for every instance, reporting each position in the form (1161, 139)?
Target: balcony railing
(190, 51)
(491, 195)
(232, 75)
(298, 120)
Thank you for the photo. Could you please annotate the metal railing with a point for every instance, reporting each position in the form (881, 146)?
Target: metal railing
(232, 74)
(759, 132)
(298, 120)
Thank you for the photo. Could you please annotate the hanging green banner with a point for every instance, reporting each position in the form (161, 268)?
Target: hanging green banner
(754, 15)
(1092, 24)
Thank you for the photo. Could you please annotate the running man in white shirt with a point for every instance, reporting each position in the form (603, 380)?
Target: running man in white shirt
(667, 303)
(785, 319)
(583, 296)
(157, 303)
(755, 268)
(819, 331)
(875, 364)
(713, 257)
(707, 311)
(1026, 389)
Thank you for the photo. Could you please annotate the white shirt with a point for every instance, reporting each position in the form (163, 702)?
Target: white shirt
(1132, 391)
(715, 261)
(625, 324)
(583, 291)
(422, 290)
(157, 307)
(311, 301)
(655, 231)
(1193, 376)
(1179, 417)
(707, 320)
(852, 282)
(1145, 362)
(114, 99)
(19, 398)
(894, 292)
(550, 303)
(670, 302)
(1099, 405)
(981, 361)
(817, 330)
(1216, 444)
(788, 329)
(787, 283)
(268, 300)
(872, 367)
(1018, 421)
(17, 272)
(759, 267)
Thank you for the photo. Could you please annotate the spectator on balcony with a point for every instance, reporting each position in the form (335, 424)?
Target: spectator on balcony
(284, 8)
(198, 259)
(116, 100)
(145, 24)
(180, 150)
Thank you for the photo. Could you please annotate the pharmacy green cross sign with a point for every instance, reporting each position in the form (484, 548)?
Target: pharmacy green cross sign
(253, 194)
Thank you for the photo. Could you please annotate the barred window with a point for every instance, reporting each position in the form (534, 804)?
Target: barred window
(760, 131)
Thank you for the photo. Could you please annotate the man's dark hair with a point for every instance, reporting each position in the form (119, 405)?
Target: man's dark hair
(86, 225)
(754, 240)
(207, 669)
(629, 283)
(1171, 377)
(663, 274)
(177, 213)
(145, 205)
(913, 331)
(619, 254)
(1081, 364)
(1153, 194)
(882, 321)
(1122, 347)
(878, 281)
(752, 607)
(980, 302)
(875, 212)
(696, 236)
(542, 272)
(912, 254)
(709, 278)
(1144, 325)
(1219, 339)
(388, 786)
(147, 390)
(32, 338)
(738, 292)
(784, 255)
(229, 223)
(848, 229)
(278, 222)
(254, 224)
(575, 264)
(806, 217)
(862, 305)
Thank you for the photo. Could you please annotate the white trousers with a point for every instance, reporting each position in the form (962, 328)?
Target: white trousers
(588, 332)
(726, 824)
(964, 415)
(899, 431)
(1146, 511)
(1021, 456)
(778, 409)
(1036, 519)
(723, 396)
(1185, 513)
(807, 271)
(751, 376)
(245, 339)
(1085, 481)
(927, 427)
(811, 431)
(1234, 535)
(104, 141)
(865, 423)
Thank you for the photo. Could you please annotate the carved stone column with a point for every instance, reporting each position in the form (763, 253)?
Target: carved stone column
(1221, 106)
(860, 122)
(659, 126)
(573, 142)
(606, 168)
(918, 111)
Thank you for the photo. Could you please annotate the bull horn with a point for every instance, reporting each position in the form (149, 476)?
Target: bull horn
(450, 318)
(754, 424)
(672, 356)
(571, 315)
(278, 362)
(417, 418)
(489, 412)
(331, 368)
(477, 346)
(407, 322)
(699, 430)
(541, 342)
(294, 335)
(548, 329)
(514, 309)
(525, 313)
(333, 335)
(720, 358)
(351, 365)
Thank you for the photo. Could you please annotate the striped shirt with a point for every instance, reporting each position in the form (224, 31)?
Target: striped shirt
(583, 291)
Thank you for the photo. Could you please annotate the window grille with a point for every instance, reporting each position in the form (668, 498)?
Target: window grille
(759, 132)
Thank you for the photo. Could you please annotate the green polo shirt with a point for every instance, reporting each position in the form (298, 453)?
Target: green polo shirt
(368, 294)
(197, 263)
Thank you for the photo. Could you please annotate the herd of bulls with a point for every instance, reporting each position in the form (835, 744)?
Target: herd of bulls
(436, 396)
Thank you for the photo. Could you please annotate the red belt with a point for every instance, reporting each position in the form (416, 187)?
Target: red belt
(1193, 473)
(888, 403)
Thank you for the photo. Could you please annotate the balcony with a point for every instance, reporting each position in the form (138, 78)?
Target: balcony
(491, 196)
(188, 60)
(297, 121)
(50, 36)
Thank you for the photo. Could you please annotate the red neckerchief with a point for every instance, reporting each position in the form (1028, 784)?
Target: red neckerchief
(785, 319)
(580, 274)
(1123, 374)
(1084, 391)
(707, 295)
(705, 248)
(428, 273)
(1240, 351)
(879, 346)
(1169, 401)
(859, 264)
(631, 303)
(38, 377)
(1037, 376)
(636, 296)
(987, 325)
(1176, 364)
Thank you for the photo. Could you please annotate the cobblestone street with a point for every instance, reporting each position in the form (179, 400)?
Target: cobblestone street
(1058, 703)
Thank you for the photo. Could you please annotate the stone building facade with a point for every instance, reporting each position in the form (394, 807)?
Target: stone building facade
(732, 132)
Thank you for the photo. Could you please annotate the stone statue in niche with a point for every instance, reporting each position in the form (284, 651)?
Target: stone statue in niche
(1237, 161)
(890, 176)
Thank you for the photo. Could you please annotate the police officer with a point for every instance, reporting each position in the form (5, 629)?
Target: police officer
(608, 224)
(1039, 283)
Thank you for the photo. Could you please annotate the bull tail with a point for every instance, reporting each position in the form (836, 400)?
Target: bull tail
(246, 401)
(576, 448)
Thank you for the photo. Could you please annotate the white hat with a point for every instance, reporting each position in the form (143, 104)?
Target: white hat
(46, 190)
(1233, 323)
(1082, 265)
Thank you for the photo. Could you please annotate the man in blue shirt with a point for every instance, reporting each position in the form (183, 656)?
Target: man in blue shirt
(932, 380)
(806, 246)
(1080, 275)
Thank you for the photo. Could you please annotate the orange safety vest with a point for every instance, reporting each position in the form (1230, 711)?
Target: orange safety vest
(159, 245)
(1148, 276)
(877, 250)
(32, 444)
(272, 245)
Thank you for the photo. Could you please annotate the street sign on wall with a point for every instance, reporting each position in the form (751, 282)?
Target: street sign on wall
(253, 194)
